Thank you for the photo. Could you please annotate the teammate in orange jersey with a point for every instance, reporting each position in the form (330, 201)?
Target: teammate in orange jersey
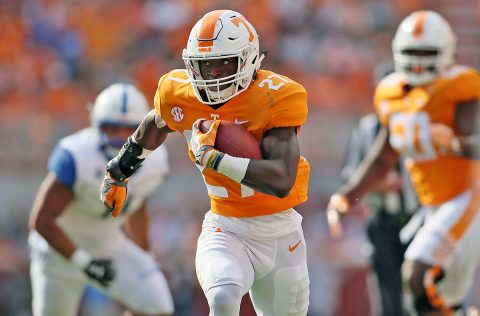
(428, 109)
(252, 240)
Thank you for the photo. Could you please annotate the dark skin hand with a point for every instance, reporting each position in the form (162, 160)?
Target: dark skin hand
(274, 175)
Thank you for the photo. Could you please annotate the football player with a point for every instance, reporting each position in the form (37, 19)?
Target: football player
(429, 109)
(251, 239)
(74, 241)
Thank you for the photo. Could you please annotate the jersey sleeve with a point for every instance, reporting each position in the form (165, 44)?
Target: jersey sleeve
(61, 162)
(390, 87)
(160, 102)
(465, 87)
(289, 108)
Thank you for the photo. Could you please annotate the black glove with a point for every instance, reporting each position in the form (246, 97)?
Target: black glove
(101, 270)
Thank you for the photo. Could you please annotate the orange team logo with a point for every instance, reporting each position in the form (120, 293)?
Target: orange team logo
(206, 34)
(292, 248)
(240, 19)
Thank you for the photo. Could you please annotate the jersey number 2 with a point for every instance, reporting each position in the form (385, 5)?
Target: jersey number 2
(270, 83)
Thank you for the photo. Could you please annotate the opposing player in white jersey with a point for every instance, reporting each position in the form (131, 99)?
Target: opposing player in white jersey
(429, 111)
(252, 239)
(74, 241)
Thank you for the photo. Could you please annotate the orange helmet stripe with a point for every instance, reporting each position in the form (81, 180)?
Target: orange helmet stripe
(419, 23)
(207, 29)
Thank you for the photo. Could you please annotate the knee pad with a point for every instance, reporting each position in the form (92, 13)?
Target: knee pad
(224, 299)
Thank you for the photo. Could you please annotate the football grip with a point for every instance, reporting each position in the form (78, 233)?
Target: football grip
(234, 139)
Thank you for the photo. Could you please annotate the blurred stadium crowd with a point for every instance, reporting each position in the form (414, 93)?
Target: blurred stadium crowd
(56, 55)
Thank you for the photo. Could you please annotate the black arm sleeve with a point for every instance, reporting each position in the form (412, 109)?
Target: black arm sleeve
(126, 162)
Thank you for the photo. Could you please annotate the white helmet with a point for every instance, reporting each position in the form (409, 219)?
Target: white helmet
(222, 34)
(425, 31)
(119, 104)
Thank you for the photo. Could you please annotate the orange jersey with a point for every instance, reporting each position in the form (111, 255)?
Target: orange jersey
(270, 101)
(408, 115)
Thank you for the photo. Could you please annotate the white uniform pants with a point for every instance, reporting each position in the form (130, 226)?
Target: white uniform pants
(273, 271)
(450, 238)
(57, 284)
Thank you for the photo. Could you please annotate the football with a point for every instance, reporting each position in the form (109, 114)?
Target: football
(234, 139)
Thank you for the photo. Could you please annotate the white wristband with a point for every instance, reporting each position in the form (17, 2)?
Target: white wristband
(233, 167)
(81, 258)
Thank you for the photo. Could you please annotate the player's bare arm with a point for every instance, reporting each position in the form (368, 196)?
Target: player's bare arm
(136, 226)
(467, 125)
(367, 176)
(152, 132)
(372, 170)
(51, 200)
(276, 173)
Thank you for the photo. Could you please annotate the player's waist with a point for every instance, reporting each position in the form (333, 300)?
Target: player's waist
(253, 207)
(435, 190)
(263, 227)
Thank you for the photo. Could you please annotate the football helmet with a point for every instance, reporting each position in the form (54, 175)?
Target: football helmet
(121, 105)
(427, 32)
(222, 34)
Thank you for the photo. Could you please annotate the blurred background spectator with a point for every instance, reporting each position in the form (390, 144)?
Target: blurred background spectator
(56, 55)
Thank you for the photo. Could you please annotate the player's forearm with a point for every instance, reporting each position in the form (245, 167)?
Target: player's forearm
(136, 227)
(276, 174)
(272, 177)
(364, 182)
(52, 198)
(371, 171)
(151, 133)
(470, 146)
(56, 238)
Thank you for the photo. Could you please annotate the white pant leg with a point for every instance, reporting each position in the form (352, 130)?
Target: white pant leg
(221, 259)
(53, 293)
(138, 283)
(450, 239)
(281, 285)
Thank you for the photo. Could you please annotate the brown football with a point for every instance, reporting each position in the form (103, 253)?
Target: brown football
(234, 139)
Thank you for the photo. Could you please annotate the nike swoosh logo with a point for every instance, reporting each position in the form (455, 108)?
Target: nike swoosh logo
(240, 122)
(292, 248)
